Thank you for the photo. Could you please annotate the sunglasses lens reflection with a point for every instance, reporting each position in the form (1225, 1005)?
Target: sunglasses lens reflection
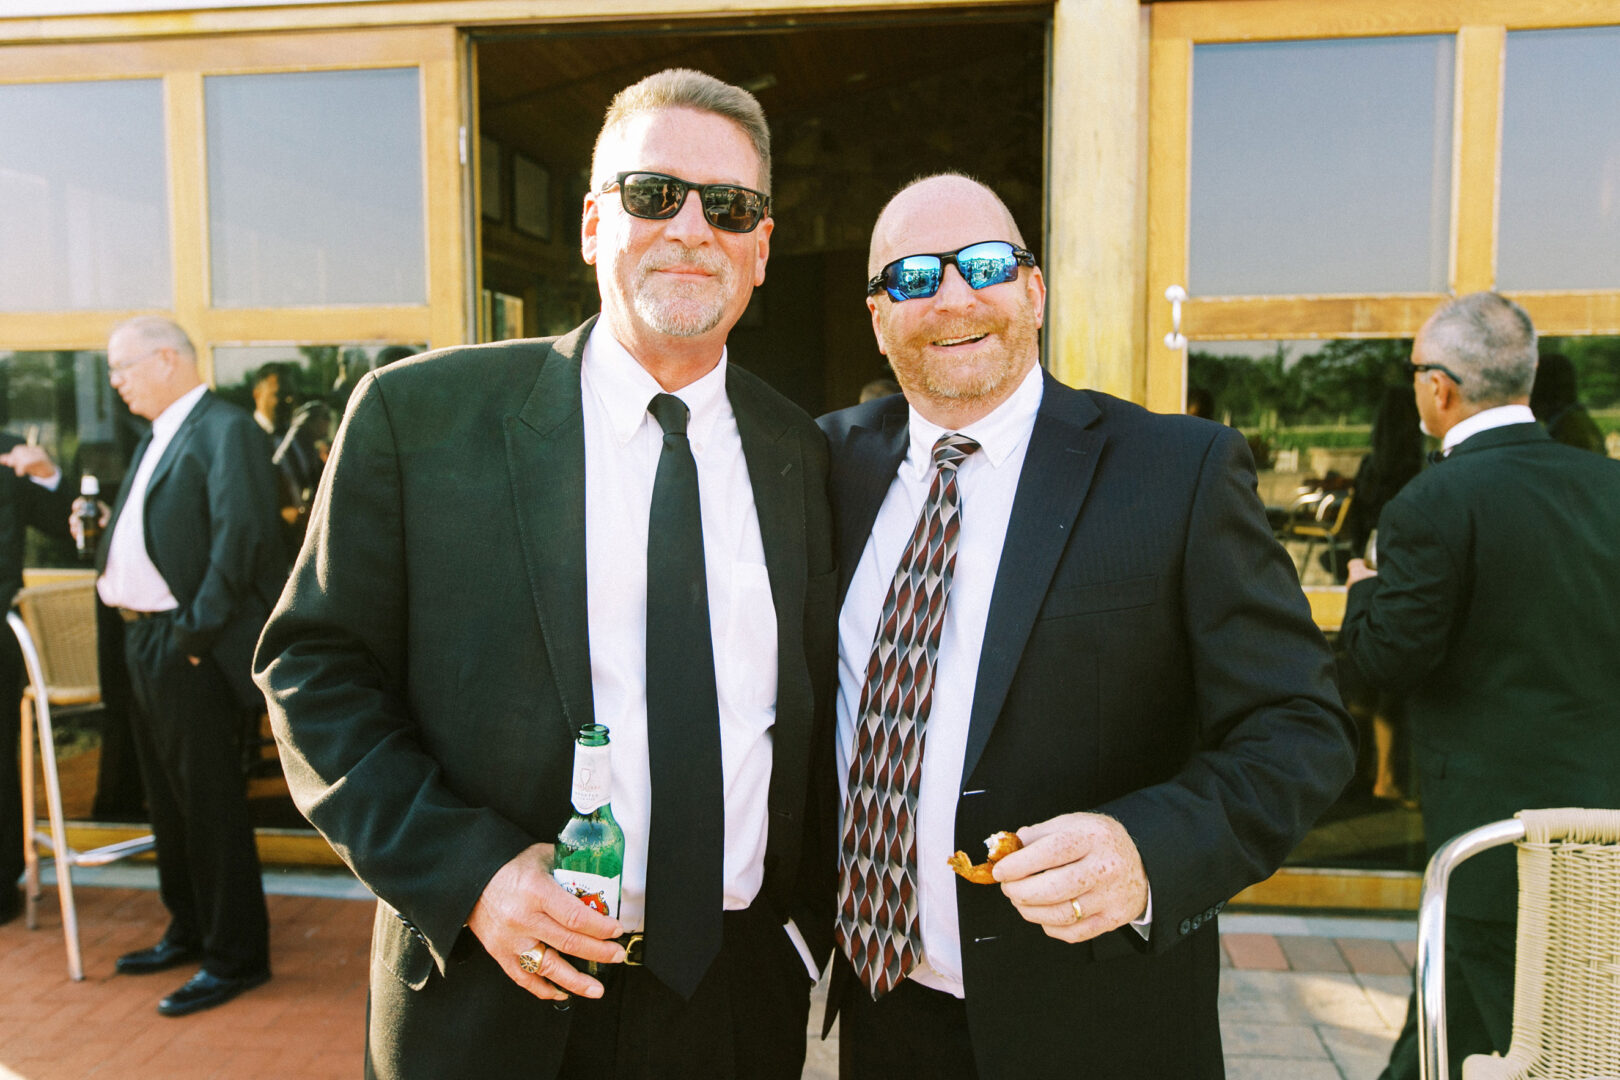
(650, 195)
(917, 277)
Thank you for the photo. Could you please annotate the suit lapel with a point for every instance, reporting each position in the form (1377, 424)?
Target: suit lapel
(774, 466)
(864, 472)
(545, 454)
(177, 444)
(1057, 473)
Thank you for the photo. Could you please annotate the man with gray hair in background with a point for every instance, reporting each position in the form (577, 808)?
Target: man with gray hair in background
(1495, 609)
(514, 541)
(192, 561)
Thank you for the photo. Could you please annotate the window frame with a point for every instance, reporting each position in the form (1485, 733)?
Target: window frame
(1481, 31)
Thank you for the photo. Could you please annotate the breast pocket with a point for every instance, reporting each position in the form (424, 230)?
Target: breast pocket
(749, 642)
(1102, 596)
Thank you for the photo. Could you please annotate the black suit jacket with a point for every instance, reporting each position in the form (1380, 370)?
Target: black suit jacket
(428, 668)
(1496, 611)
(211, 530)
(1148, 654)
(24, 503)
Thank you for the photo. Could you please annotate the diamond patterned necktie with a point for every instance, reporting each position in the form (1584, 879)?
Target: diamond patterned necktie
(877, 857)
(686, 841)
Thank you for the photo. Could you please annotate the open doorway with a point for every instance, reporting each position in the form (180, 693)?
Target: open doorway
(856, 108)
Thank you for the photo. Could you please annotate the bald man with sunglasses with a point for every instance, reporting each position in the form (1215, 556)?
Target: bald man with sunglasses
(1065, 617)
(618, 527)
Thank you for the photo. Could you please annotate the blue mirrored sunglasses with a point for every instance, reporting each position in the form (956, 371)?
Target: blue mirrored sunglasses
(917, 277)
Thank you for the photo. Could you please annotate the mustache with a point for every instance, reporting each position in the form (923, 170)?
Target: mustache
(708, 262)
(951, 329)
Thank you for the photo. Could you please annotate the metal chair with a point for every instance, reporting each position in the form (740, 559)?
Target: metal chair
(1325, 525)
(1566, 993)
(55, 626)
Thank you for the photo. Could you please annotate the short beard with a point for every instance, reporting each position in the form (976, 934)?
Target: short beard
(684, 313)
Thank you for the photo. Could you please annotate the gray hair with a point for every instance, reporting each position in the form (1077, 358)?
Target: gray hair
(156, 332)
(1489, 341)
(684, 88)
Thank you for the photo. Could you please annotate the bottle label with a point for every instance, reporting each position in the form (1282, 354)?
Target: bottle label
(593, 778)
(594, 890)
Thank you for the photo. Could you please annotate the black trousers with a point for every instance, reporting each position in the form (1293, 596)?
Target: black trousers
(1479, 998)
(910, 1032)
(188, 729)
(747, 1020)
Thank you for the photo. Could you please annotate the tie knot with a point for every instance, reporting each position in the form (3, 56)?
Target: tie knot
(951, 449)
(670, 412)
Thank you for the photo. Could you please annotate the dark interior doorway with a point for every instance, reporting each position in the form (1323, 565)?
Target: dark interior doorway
(856, 107)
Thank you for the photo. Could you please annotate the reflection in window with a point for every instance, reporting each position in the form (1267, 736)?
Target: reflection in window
(1321, 167)
(1560, 202)
(304, 373)
(84, 220)
(315, 188)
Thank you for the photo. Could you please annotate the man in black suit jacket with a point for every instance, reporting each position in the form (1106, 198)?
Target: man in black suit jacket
(44, 505)
(192, 559)
(1495, 610)
(1127, 675)
(478, 584)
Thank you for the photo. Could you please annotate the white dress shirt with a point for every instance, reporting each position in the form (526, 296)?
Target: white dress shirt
(1484, 420)
(131, 580)
(986, 481)
(622, 445)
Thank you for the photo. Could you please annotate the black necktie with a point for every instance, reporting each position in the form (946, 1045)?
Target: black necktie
(687, 839)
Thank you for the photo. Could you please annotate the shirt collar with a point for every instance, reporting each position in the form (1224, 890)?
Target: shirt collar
(169, 420)
(624, 388)
(998, 434)
(1484, 420)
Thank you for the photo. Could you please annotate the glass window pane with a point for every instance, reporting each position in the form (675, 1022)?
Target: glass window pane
(84, 205)
(305, 372)
(315, 188)
(1560, 204)
(1321, 167)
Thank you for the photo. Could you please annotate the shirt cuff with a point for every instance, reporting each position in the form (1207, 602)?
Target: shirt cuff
(1144, 925)
(50, 483)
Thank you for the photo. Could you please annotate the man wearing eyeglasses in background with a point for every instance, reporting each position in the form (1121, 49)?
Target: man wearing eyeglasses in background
(479, 582)
(1069, 616)
(1495, 611)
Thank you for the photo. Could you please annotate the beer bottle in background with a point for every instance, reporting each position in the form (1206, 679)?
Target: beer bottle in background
(590, 848)
(89, 517)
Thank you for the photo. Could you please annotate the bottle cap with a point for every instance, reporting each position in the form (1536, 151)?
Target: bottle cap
(89, 486)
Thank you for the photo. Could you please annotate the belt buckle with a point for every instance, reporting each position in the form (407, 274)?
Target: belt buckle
(633, 946)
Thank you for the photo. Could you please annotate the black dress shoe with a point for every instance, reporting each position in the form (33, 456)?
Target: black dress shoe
(204, 991)
(160, 957)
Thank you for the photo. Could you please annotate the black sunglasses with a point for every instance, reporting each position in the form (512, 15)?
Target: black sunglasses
(656, 197)
(1413, 370)
(917, 277)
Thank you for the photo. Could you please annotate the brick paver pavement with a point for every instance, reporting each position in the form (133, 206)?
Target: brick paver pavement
(306, 1022)
(1297, 1005)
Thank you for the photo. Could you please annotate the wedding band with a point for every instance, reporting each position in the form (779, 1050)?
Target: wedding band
(531, 959)
(1079, 912)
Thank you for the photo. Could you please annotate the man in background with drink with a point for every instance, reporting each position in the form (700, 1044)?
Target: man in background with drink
(518, 540)
(1495, 610)
(31, 493)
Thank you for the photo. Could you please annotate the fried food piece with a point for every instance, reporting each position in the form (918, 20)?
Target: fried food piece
(999, 846)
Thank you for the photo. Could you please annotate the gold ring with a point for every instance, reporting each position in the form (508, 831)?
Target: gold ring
(1079, 912)
(531, 959)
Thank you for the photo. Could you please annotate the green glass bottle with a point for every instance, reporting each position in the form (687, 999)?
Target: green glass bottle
(590, 848)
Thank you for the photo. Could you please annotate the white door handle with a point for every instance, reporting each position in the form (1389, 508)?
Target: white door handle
(1175, 339)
